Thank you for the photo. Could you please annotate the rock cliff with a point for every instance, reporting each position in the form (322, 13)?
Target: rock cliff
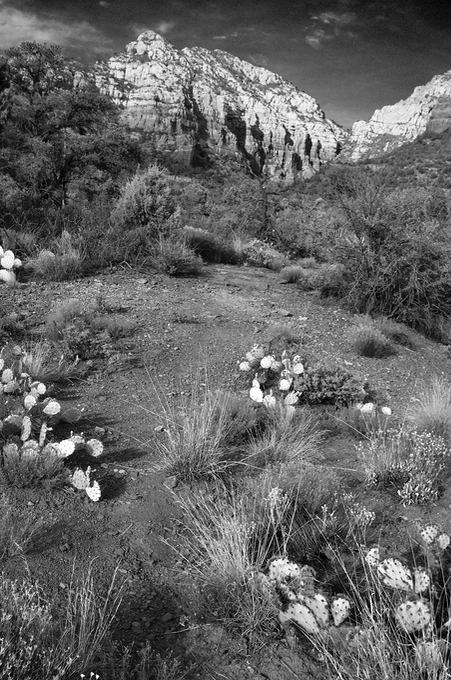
(197, 103)
(428, 109)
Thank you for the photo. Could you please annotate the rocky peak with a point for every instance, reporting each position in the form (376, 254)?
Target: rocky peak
(197, 103)
(427, 109)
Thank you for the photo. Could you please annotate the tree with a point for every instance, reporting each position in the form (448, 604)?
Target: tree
(54, 123)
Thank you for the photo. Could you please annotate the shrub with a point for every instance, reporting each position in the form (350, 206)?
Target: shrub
(431, 410)
(412, 463)
(261, 254)
(210, 247)
(370, 342)
(396, 256)
(292, 273)
(171, 256)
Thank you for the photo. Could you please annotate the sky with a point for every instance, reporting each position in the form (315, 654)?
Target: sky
(353, 56)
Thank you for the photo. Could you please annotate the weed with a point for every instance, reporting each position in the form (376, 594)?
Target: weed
(370, 342)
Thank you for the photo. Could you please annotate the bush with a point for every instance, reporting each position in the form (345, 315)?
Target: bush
(210, 247)
(397, 256)
(395, 332)
(412, 463)
(370, 342)
(171, 256)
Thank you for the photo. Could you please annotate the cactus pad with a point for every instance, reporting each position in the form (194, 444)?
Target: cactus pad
(95, 447)
(340, 609)
(442, 541)
(94, 492)
(422, 580)
(80, 479)
(319, 607)
(413, 615)
(373, 557)
(429, 532)
(26, 428)
(395, 575)
(65, 448)
(302, 616)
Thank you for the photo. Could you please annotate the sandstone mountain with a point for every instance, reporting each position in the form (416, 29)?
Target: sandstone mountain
(428, 109)
(197, 103)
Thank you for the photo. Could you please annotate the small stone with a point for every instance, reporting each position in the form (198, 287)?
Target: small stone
(167, 617)
(99, 431)
(170, 482)
(285, 312)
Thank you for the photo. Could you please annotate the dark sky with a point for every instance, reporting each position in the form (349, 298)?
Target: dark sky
(353, 56)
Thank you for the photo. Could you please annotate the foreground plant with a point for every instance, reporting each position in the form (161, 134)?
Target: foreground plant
(37, 642)
(392, 623)
(8, 262)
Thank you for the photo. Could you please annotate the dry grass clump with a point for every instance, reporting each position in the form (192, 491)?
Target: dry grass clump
(39, 360)
(370, 342)
(65, 261)
(225, 558)
(287, 438)
(18, 528)
(203, 438)
(430, 411)
(27, 468)
(395, 332)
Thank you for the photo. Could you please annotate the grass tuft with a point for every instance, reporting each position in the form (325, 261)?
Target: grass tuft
(431, 410)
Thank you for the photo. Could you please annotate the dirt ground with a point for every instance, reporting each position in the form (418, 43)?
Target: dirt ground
(188, 331)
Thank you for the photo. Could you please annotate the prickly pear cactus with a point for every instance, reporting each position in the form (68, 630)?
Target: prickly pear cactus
(395, 575)
(414, 615)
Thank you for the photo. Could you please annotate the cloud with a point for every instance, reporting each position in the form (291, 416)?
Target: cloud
(219, 37)
(18, 26)
(329, 25)
(104, 3)
(164, 27)
(258, 59)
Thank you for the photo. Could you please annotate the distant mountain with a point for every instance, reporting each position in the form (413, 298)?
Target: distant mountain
(198, 103)
(426, 111)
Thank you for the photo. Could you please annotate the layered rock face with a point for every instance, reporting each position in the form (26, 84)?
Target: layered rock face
(427, 109)
(196, 103)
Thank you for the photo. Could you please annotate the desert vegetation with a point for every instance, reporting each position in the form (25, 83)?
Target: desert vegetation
(273, 542)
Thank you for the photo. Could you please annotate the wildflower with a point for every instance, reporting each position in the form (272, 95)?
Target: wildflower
(245, 366)
(267, 361)
(386, 411)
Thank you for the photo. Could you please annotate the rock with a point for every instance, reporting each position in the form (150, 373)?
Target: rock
(167, 617)
(284, 312)
(195, 102)
(427, 109)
